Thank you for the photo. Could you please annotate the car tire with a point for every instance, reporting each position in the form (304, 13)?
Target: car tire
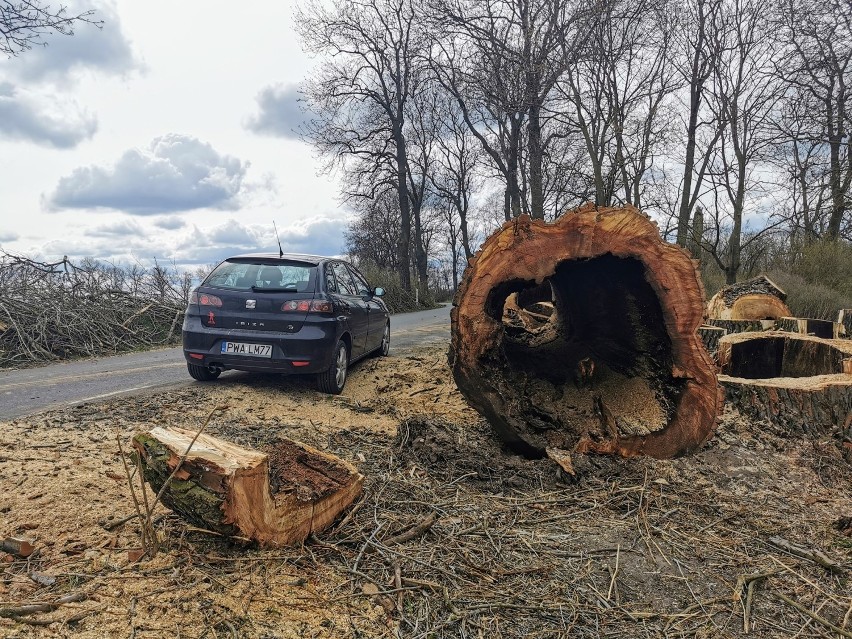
(202, 373)
(384, 348)
(333, 380)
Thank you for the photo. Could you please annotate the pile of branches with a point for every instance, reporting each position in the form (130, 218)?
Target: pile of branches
(62, 310)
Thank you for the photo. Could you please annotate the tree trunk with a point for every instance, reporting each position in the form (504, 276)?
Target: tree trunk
(581, 335)
(798, 383)
(276, 499)
(404, 244)
(536, 154)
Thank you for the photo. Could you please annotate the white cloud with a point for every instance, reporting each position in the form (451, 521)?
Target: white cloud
(170, 223)
(105, 50)
(7, 236)
(281, 113)
(43, 120)
(175, 173)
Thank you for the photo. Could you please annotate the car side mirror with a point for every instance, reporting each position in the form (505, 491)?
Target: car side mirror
(378, 291)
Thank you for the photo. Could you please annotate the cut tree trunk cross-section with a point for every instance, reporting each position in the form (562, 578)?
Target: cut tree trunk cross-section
(276, 499)
(581, 335)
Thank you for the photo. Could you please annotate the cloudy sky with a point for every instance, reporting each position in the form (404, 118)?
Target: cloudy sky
(168, 134)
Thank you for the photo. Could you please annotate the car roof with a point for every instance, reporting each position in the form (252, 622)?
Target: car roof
(287, 257)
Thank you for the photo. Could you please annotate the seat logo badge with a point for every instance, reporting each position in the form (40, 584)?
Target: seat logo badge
(251, 303)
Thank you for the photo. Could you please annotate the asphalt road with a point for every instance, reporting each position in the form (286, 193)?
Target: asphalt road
(30, 390)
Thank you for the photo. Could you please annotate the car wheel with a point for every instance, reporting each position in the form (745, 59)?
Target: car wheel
(333, 380)
(384, 348)
(202, 373)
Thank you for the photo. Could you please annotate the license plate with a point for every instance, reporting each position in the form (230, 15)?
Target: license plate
(249, 350)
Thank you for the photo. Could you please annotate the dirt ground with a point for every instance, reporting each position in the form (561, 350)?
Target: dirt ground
(694, 547)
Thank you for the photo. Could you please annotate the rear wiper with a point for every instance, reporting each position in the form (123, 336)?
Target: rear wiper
(270, 289)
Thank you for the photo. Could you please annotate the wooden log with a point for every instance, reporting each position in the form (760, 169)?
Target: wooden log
(800, 383)
(755, 299)
(825, 329)
(276, 499)
(616, 367)
(741, 326)
(817, 405)
(844, 319)
(710, 336)
(781, 354)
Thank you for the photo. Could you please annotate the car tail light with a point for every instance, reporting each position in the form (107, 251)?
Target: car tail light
(205, 299)
(308, 306)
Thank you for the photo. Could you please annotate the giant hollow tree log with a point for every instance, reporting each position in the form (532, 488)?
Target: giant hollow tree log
(581, 335)
(276, 498)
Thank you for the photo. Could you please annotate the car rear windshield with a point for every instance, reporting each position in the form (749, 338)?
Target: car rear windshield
(259, 275)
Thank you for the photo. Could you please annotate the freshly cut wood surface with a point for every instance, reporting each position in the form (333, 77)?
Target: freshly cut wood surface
(800, 383)
(756, 299)
(275, 499)
(615, 367)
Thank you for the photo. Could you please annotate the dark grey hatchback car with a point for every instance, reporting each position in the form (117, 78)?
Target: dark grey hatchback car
(294, 314)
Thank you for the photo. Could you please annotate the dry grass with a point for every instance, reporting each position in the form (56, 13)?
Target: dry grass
(638, 548)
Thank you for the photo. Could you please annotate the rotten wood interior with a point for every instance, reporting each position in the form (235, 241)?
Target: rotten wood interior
(581, 335)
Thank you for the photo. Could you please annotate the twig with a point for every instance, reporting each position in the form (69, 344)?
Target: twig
(808, 613)
(749, 582)
(614, 573)
(136, 503)
(816, 556)
(31, 609)
(415, 532)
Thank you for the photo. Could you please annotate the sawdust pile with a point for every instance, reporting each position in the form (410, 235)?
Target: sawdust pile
(501, 546)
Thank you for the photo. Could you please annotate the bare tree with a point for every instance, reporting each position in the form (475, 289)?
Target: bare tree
(616, 98)
(360, 92)
(745, 93)
(489, 95)
(24, 23)
(374, 234)
(819, 37)
(695, 64)
(454, 178)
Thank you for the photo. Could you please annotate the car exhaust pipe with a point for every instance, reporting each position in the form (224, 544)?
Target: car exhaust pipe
(216, 368)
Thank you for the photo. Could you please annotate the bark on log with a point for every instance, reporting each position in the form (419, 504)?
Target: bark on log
(710, 336)
(581, 335)
(825, 329)
(799, 383)
(742, 326)
(844, 318)
(275, 499)
(755, 299)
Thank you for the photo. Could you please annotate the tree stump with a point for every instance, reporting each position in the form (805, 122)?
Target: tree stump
(825, 329)
(756, 299)
(799, 383)
(276, 499)
(581, 335)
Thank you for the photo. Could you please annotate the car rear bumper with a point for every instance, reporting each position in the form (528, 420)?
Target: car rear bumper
(308, 351)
